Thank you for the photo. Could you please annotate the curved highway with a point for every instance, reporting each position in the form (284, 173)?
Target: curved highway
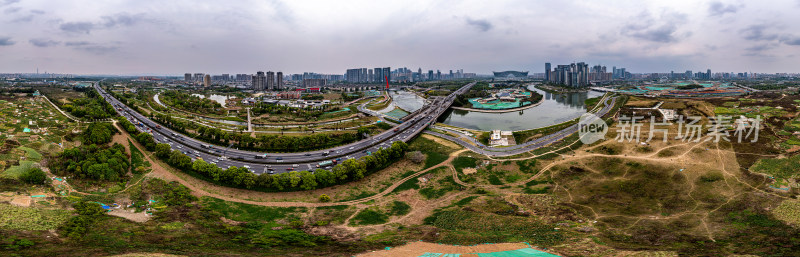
(272, 163)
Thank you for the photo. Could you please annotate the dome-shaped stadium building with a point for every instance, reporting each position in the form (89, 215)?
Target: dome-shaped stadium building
(510, 74)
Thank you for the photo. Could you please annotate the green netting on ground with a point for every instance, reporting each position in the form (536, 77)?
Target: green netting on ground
(524, 252)
(431, 255)
(397, 113)
(345, 109)
(494, 104)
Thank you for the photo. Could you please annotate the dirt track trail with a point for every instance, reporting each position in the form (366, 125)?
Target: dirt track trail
(206, 188)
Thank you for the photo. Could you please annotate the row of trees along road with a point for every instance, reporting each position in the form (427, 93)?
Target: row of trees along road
(348, 170)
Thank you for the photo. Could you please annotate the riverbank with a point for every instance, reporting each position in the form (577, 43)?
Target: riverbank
(559, 90)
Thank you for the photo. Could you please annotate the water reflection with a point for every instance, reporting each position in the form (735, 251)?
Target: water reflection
(217, 98)
(554, 109)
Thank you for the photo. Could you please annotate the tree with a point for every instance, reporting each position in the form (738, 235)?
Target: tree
(88, 209)
(146, 140)
(324, 198)
(294, 179)
(98, 133)
(34, 176)
(163, 150)
(325, 177)
(309, 180)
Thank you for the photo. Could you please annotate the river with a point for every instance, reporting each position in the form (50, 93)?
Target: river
(554, 109)
(217, 98)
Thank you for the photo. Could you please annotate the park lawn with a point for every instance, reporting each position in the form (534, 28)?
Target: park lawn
(27, 218)
(137, 158)
(17, 170)
(250, 213)
(31, 154)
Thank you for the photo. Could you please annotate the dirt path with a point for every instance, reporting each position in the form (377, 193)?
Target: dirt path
(202, 188)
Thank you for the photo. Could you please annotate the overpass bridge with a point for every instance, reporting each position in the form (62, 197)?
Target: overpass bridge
(272, 163)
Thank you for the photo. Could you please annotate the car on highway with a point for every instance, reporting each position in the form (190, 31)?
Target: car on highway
(279, 159)
(289, 169)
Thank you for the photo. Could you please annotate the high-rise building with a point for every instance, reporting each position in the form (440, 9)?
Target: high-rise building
(270, 81)
(430, 75)
(687, 74)
(279, 80)
(198, 77)
(547, 71)
(387, 75)
(708, 74)
(438, 74)
(575, 74)
(357, 75)
(314, 83)
(377, 75)
(207, 80)
(371, 74)
(259, 81)
(187, 77)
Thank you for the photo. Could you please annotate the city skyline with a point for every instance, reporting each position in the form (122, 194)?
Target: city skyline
(169, 38)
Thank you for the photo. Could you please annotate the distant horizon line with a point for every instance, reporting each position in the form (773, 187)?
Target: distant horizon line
(478, 74)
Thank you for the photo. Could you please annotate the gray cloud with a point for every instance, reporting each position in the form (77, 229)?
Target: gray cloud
(791, 40)
(117, 20)
(718, 8)
(282, 12)
(757, 33)
(37, 11)
(97, 49)
(760, 48)
(26, 18)
(77, 27)
(8, 2)
(87, 46)
(41, 42)
(12, 10)
(480, 24)
(662, 30)
(6, 41)
(76, 43)
(121, 19)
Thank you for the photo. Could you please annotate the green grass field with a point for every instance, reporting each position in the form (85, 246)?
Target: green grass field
(15, 171)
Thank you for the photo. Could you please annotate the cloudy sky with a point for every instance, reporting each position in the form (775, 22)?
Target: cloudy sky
(177, 36)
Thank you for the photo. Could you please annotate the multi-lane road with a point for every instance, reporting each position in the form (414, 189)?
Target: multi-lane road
(258, 162)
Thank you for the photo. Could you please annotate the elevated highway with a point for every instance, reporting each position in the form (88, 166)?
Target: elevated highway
(259, 162)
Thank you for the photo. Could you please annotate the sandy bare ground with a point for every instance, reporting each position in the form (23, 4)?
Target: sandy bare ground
(121, 139)
(130, 215)
(420, 248)
(145, 255)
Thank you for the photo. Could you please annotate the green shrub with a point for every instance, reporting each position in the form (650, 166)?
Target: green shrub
(369, 217)
(34, 176)
(400, 208)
